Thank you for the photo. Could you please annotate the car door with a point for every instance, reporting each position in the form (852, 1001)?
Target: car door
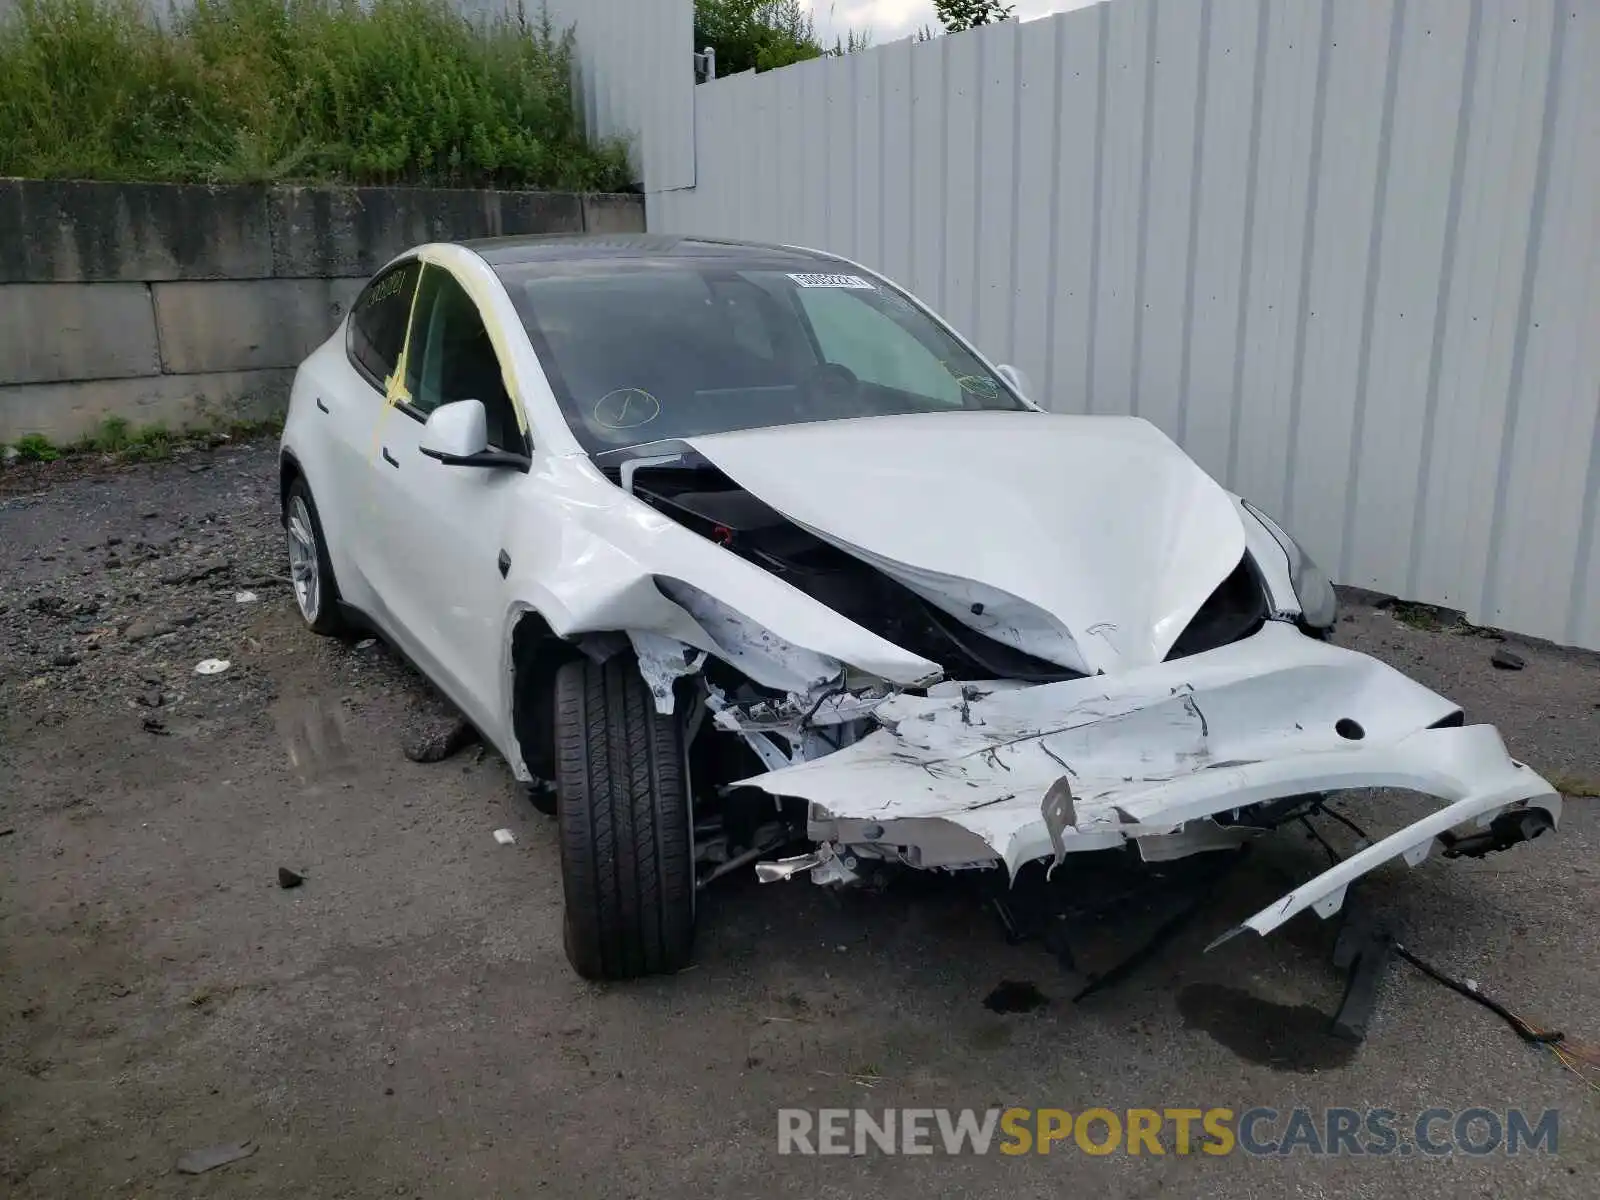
(349, 383)
(443, 530)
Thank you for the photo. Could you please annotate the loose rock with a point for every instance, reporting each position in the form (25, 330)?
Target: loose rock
(1506, 660)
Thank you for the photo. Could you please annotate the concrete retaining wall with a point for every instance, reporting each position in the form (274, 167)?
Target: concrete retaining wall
(190, 304)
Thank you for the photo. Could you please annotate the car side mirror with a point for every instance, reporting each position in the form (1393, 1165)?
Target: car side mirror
(1018, 379)
(457, 434)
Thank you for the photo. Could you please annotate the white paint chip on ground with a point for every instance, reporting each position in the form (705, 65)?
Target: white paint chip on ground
(505, 837)
(244, 597)
(211, 666)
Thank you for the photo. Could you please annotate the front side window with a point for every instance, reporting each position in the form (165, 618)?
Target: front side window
(452, 358)
(640, 351)
(377, 329)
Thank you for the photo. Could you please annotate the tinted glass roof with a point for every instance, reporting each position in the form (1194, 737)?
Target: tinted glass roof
(552, 248)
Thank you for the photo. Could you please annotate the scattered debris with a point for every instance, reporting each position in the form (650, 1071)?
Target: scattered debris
(150, 699)
(65, 660)
(155, 725)
(198, 1162)
(1014, 996)
(211, 666)
(244, 597)
(440, 740)
(366, 643)
(289, 879)
(1506, 660)
(505, 837)
(8, 831)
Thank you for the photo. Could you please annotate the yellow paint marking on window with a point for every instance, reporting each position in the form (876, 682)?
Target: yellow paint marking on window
(394, 387)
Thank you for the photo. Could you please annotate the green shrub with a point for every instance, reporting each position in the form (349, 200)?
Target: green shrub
(35, 447)
(403, 91)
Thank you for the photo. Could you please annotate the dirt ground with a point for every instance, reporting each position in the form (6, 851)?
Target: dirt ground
(405, 1024)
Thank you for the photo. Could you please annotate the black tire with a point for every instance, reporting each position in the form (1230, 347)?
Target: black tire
(627, 858)
(326, 617)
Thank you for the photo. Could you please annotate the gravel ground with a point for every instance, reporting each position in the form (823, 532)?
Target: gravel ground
(404, 1023)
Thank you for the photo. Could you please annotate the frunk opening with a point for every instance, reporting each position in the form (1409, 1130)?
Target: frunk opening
(705, 501)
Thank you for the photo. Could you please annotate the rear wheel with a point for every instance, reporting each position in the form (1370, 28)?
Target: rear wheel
(627, 857)
(310, 570)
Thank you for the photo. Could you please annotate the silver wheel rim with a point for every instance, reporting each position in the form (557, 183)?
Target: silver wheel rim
(303, 559)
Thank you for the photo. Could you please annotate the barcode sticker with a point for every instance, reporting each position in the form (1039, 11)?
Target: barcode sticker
(833, 281)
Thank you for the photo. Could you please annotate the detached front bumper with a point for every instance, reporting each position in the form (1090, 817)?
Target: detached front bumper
(1165, 757)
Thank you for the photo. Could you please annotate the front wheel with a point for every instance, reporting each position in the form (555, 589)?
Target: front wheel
(627, 855)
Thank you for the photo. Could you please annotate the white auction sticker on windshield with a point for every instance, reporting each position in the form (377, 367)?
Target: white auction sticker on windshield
(834, 281)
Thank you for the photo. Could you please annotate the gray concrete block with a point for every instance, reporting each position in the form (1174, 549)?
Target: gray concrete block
(353, 231)
(612, 212)
(76, 232)
(247, 324)
(65, 412)
(57, 331)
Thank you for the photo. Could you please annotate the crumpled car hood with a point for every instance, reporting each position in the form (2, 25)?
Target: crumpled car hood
(1090, 542)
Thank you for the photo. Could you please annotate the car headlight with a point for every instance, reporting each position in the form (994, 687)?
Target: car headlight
(1319, 603)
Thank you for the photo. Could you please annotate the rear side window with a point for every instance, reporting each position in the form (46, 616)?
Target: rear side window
(378, 322)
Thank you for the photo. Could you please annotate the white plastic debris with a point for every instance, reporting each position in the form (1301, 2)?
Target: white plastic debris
(244, 597)
(211, 666)
(505, 837)
(366, 643)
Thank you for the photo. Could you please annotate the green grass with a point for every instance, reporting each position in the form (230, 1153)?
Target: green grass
(403, 92)
(116, 436)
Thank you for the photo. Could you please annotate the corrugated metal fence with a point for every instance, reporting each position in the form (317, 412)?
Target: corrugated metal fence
(635, 77)
(1347, 252)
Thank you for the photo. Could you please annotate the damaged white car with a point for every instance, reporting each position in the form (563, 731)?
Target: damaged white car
(730, 547)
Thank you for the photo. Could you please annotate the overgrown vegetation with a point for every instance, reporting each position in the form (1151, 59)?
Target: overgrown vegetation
(762, 35)
(398, 91)
(117, 436)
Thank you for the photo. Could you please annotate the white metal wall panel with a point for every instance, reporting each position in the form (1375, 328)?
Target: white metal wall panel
(998, 199)
(1430, 38)
(929, 103)
(1118, 206)
(1078, 155)
(1546, 480)
(1347, 254)
(636, 76)
(1168, 207)
(1475, 391)
(896, 229)
(1269, 338)
(1034, 235)
(1318, 459)
(1231, 136)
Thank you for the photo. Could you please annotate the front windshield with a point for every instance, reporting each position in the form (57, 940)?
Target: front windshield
(641, 351)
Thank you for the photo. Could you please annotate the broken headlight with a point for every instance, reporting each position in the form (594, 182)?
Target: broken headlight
(1319, 604)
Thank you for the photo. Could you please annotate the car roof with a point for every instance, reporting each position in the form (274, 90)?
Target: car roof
(541, 249)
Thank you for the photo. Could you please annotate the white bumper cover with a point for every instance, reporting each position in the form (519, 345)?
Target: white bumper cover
(1152, 755)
